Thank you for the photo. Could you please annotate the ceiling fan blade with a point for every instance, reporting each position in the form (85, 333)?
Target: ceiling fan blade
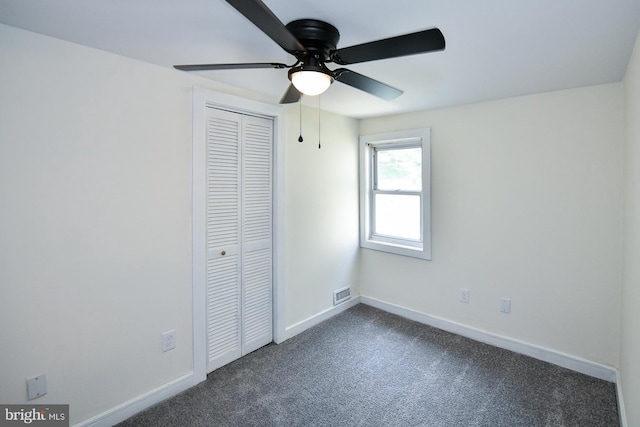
(290, 96)
(262, 17)
(205, 67)
(408, 44)
(367, 84)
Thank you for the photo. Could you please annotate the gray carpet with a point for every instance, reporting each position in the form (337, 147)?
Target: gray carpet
(366, 367)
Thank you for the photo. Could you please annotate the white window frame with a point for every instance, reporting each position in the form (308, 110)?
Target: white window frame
(401, 139)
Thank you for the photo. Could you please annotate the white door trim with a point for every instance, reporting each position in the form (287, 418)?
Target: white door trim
(202, 99)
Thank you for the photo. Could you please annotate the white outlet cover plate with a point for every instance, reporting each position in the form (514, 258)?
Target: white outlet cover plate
(464, 295)
(169, 340)
(505, 305)
(37, 386)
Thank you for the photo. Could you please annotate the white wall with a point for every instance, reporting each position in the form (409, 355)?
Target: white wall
(630, 349)
(321, 211)
(526, 205)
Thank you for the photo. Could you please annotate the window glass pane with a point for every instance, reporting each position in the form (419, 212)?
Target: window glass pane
(397, 216)
(400, 169)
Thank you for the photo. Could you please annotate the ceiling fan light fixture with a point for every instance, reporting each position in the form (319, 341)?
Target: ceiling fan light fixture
(310, 82)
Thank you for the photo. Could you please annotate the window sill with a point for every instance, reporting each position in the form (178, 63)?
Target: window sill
(410, 251)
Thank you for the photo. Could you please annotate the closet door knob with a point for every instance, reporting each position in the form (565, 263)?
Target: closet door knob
(223, 253)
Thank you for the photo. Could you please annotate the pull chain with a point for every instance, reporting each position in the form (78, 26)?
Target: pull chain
(300, 139)
(319, 146)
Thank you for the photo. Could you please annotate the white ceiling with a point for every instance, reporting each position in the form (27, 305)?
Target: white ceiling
(495, 48)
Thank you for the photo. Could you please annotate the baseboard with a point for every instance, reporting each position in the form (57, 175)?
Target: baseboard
(128, 409)
(303, 325)
(622, 412)
(557, 358)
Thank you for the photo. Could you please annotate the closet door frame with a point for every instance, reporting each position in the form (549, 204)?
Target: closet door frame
(203, 99)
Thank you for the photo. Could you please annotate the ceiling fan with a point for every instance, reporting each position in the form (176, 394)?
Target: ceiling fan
(313, 43)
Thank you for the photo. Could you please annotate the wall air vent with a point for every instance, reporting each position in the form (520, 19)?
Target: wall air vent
(341, 295)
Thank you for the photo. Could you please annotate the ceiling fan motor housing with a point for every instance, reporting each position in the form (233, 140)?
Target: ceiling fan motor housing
(318, 37)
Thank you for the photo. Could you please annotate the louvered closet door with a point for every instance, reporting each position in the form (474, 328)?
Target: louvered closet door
(239, 264)
(224, 298)
(257, 140)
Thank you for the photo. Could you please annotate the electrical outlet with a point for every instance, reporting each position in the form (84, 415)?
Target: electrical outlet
(464, 295)
(169, 340)
(505, 305)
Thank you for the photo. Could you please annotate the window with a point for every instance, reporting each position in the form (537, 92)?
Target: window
(395, 192)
